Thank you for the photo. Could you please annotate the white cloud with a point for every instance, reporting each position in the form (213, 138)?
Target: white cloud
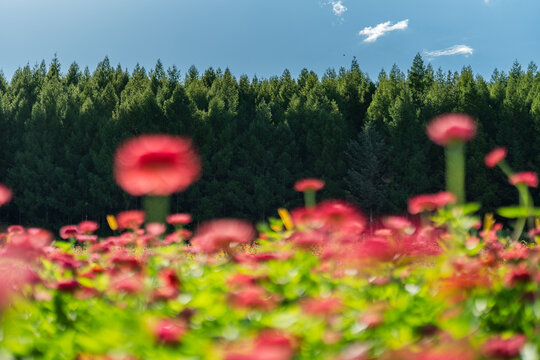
(338, 8)
(454, 50)
(373, 33)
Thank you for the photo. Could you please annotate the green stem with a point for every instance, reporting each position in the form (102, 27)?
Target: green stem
(455, 170)
(309, 198)
(156, 208)
(525, 200)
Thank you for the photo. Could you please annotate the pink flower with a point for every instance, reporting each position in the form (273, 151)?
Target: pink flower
(169, 331)
(88, 227)
(528, 178)
(252, 297)
(269, 345)
(5, 194)
(430, 202)
(448, 128)
(155, 228)
(179, 219)
(218, 235)
(322, 306)
(497, 347)
(156, 165)
(495, 156)
(309, 184)
(68, 231)
(131, 219)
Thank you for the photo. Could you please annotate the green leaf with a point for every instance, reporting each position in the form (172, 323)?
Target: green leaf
(513, 212)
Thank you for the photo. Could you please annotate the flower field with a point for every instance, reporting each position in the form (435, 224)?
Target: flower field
(316, 282)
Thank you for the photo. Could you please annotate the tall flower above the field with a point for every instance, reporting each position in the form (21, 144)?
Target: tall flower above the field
(528, 178)
(495, 156)
(5, 194)
(156, 165)
(448, 128)
(309, 186)
(452, 131)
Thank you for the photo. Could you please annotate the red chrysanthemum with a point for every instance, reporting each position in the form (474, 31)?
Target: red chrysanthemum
(447, 128)
(495, 156)
(430, 202)
(156, 165)
(5, 194)
(528, 178)
(310, 184)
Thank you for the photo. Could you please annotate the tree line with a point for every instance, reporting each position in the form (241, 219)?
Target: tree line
(365, 138)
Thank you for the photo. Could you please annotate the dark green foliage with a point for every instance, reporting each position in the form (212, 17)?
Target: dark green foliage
(58, 134)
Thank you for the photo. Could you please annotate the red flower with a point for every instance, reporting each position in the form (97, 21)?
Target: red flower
(155, 228)
(448, 128)
(169, 284)
(252, 297)
(5, 194)
(269, 345)
(68, 231)
(179, 219)
(156, 165)
(495, 156)
(528, 178)
(497, 347)
(88, 227)
(322, 306)
(309, 185)
(68, 285)
(218, 235)
(131, 219)
(430, 202)
(169, 331)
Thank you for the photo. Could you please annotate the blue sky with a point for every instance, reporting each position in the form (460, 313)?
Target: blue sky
(264, 37)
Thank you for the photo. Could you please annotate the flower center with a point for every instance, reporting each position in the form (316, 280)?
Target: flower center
(155, 160)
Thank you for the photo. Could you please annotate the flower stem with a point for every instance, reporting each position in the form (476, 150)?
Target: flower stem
(309, 198)
(156, 208)
(455, 170)
(525, 200)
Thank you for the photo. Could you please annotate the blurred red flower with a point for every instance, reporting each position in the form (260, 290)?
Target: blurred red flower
(448, 128)
(309, 184)
(179, 219)
(5, 194)
(430, 202)
(528, 178)
(169, 331)
(217, 235)
(88, 226)
(497, 347)
(269, 345)
(495, 156)
(68, 231)
(156, 165)
(131, 219)
(322, 306)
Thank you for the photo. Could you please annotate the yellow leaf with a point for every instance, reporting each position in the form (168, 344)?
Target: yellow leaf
(286, 218)
(488, 221)
(112, 222)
